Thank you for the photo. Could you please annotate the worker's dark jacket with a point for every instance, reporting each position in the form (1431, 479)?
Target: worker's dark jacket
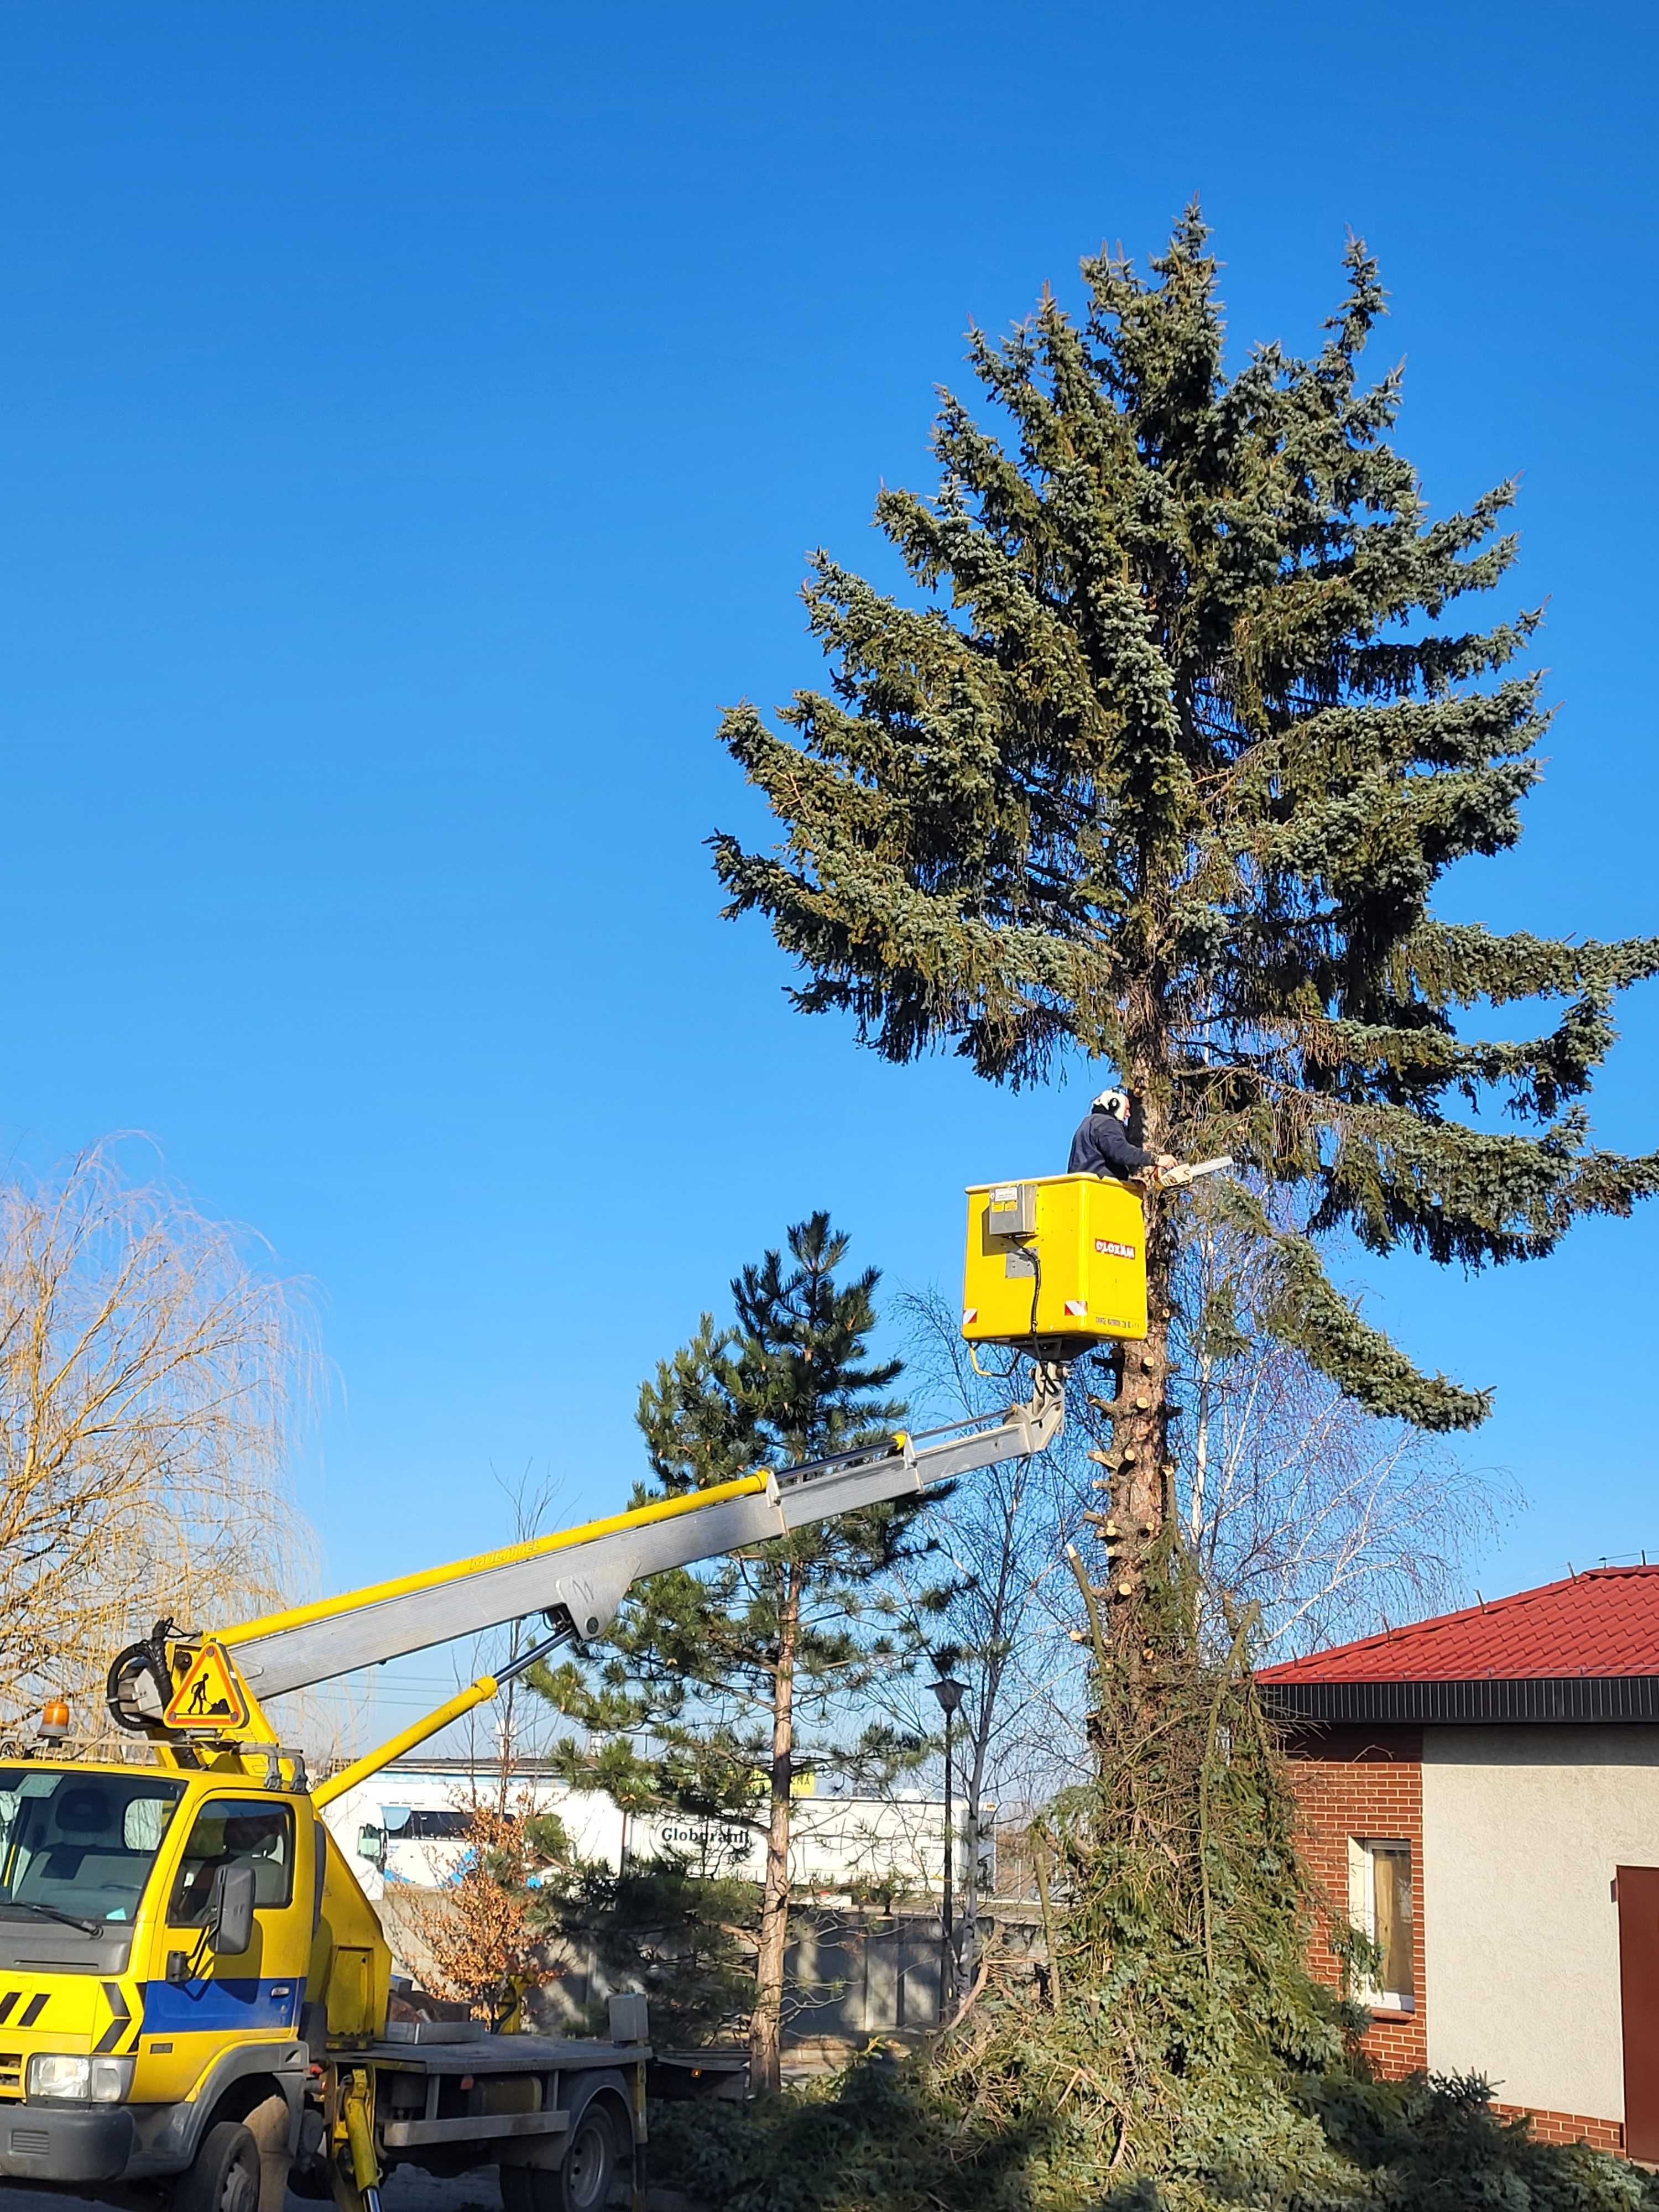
(1102, 1147)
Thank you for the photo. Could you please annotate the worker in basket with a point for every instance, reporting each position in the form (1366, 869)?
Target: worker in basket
(1102, 1146)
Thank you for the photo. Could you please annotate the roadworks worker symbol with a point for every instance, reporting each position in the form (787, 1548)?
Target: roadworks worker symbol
(210, 1696)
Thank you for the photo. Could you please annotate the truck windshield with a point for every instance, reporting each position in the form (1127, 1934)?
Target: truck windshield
(79, 1845)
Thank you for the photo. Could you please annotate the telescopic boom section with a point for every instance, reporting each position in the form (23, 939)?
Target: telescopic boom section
(580, 1577)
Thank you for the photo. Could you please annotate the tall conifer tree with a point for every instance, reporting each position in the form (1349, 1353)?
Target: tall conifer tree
(1160, 769)
(740, 1672)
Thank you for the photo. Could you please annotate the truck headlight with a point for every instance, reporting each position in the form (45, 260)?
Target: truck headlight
(84, 2080)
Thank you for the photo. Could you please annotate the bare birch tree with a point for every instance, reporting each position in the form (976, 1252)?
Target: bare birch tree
(1288, 1493)
(1004, 1618)
(148, 1371)
(512, 1730)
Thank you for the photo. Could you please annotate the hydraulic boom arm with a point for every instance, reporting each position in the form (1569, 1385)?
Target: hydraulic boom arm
(580, 1577)
(1077, 1241)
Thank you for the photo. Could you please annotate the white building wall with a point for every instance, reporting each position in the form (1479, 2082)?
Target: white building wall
(835, 1841)
(1523, 1828)
(592, 1821)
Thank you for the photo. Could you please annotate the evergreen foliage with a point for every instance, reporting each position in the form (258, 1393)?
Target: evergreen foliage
(1178, 2025)
(883, 2138)
(1164, 772)
(523, 1902)
(683, 1938)
(728, 1682)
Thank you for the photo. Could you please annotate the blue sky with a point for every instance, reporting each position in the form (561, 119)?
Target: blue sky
(414, 421)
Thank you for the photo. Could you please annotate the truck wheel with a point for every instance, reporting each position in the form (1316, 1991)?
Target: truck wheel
(526, 2189)
(224, 2176)
(589, 2170)
(267, 2125)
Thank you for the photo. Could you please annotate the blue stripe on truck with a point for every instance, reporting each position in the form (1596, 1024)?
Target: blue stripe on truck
(220, 2003)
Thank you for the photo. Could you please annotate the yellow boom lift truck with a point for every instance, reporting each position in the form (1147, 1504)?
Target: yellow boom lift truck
(194, 1988)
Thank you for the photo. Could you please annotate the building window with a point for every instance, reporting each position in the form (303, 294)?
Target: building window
(1380, 1907)
(425, 1826)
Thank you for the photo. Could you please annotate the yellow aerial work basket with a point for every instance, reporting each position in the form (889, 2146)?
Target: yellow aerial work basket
(1055, 1264)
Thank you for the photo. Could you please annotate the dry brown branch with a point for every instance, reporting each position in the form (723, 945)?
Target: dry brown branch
(971, 1999)
(1039, 1861)
(483, 1949)
(148, 1371)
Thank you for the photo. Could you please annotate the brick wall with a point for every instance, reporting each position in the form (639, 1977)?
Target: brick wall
(1365, 1782)
(1368, 1782)
(1569, 2127)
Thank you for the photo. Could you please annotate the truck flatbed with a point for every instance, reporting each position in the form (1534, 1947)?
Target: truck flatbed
(446, 2085)
(504, 2054)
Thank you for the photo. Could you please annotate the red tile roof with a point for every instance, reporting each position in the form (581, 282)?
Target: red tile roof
(1603, 1622)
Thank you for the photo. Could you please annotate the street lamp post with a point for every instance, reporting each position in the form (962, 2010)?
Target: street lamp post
(950, 1693)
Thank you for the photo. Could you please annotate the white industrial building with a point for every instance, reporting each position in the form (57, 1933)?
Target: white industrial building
(407, 1823)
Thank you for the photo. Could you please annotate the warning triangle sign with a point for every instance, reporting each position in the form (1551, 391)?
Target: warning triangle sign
(210, 1696)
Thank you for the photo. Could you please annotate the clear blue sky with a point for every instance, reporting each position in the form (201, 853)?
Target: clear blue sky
(414, 417)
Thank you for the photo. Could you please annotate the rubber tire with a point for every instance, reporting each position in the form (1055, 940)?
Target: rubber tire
(224, 2175)
(268, 2125)
(527, 2189)
(588, 2172)
(310, 2182)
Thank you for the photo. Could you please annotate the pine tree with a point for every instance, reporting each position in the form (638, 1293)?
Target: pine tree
(1161, 772)
(740, 1671)
(661, 1926)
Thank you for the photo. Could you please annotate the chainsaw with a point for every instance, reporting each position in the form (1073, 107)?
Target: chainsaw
(1177, 1178)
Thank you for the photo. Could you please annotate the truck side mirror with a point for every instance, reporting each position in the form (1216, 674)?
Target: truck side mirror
(371, 1845)
(230, 1917)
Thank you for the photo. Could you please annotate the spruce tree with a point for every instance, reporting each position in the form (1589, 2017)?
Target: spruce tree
(740, 1672)
(1158, 767)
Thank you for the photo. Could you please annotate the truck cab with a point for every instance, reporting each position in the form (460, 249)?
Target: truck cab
(156, 1932)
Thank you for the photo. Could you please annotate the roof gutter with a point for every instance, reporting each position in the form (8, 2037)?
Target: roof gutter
(1544, 1698)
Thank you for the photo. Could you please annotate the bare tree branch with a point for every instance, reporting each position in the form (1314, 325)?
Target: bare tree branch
(1289, 1494)
(147, 1374)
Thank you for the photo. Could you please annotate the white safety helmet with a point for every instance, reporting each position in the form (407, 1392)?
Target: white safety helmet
(1113, 1101)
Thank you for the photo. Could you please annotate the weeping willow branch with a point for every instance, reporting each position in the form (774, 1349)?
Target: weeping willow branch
(149, 1372)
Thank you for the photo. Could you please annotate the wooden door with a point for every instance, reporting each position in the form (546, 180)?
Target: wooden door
(1637, 1889)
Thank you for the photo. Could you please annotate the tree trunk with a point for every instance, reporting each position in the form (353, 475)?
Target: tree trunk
(967, 1934)
(1140, 1456)
(1140, 1431)
(765, 2023)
